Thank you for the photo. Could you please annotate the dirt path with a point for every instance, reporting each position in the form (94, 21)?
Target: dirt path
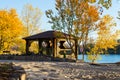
(69, 71)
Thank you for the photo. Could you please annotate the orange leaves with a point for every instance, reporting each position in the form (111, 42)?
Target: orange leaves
(87, 16)
(84, 29)
(87, 13)
(10, 27)
(68, 11)
(92, 1)
(106, 39)
(93, 13)
(106, 24)
(13, 12)
(58, 4)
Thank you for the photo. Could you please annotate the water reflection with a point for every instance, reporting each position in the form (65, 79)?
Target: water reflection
(108, 58)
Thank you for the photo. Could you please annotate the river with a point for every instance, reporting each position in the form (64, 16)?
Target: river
(106, 58)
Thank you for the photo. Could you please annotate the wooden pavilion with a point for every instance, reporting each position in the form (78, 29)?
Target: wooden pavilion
(52, 43)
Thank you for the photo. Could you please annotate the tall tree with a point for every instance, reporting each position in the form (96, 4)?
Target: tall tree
(10, 28)
(107, 38)
(75, 17)
(85, 23)
(31, 18)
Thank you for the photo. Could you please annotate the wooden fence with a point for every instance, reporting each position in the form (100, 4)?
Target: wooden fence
(34, 58)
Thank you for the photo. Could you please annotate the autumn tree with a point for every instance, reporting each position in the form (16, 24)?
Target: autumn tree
(10, 29)
(31, 18)
(105, 3)
(87, 17)
(107, 38)
(75, 17)
(101, 3)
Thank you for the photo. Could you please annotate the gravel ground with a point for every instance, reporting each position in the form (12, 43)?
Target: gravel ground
(69, 71)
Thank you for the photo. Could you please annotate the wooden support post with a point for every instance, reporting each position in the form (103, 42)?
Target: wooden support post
(76, 49)
(27, 46)
(54, 47)
(28, 43)
(40, 46)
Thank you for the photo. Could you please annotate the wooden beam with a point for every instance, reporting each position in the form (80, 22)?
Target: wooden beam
(27, 46)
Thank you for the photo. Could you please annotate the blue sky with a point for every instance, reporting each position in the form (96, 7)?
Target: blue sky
(50, 4)
(42, 4)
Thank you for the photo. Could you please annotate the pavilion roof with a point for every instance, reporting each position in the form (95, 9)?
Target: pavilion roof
(47, 35)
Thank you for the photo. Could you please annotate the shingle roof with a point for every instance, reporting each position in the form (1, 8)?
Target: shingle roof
(47, 35)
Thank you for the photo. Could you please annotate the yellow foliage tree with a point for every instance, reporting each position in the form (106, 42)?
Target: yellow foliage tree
(76, 18)
(31, 18)
(10, 29)
(107, 38)
(87, 16)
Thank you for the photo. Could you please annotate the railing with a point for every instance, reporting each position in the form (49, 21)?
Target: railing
(26, 58)
(33, 58)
